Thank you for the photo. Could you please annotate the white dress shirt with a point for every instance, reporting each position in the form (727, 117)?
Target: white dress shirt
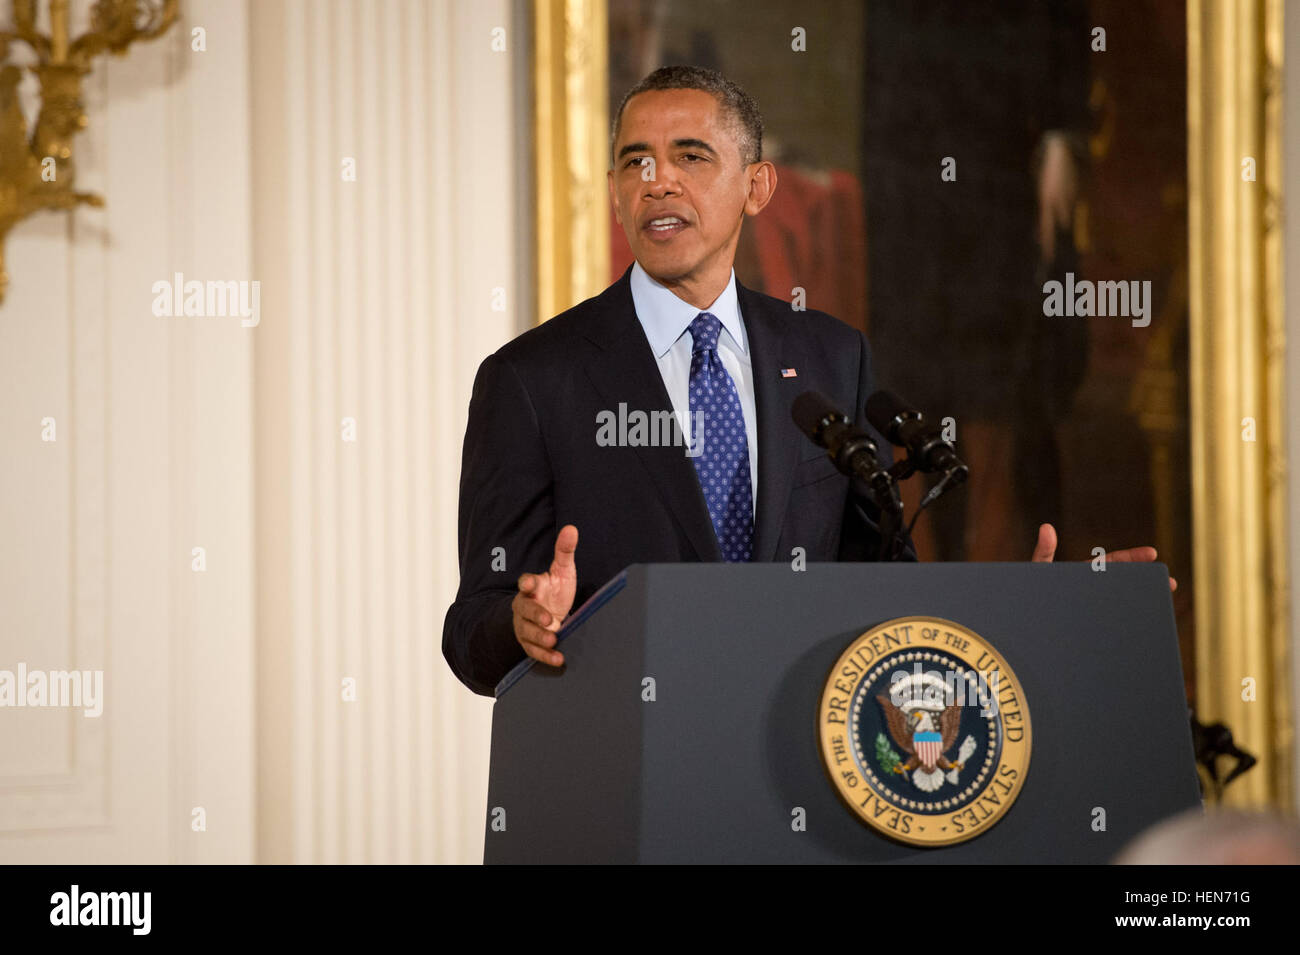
(666, 318)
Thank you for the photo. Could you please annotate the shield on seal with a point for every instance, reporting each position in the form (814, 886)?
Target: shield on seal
(928, 748)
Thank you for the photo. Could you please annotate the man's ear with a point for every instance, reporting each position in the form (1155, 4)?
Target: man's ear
(762, 184)
(613, 197)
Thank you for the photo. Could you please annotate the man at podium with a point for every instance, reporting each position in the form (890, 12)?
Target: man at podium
(655, 417)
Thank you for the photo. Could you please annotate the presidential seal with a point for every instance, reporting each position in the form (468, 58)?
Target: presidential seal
(924, 731)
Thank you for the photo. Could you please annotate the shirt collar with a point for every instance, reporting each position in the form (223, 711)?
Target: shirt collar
(665, 317)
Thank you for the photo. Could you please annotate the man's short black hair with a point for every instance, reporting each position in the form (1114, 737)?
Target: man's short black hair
(738, 106)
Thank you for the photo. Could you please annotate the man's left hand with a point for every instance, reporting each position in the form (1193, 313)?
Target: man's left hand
(1046, 550)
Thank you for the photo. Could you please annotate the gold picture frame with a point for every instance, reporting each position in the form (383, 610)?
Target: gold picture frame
(570, 92)
(1237, 356)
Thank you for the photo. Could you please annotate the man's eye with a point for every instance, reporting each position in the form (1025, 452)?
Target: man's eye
(635, 160)
(692, 156)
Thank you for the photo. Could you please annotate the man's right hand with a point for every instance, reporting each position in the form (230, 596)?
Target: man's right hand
(544, 600)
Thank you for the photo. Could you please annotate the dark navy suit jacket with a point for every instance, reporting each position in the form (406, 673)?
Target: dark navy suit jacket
(532, 463)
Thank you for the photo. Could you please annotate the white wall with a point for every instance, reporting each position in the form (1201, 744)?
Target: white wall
(325, 559)
(152, 459)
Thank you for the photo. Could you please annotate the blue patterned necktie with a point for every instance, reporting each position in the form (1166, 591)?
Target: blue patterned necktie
(723, 462)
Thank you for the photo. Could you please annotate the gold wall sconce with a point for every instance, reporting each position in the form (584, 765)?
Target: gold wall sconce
(36, 167)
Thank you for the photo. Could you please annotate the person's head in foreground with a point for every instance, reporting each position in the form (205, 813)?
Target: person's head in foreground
(1216, 838)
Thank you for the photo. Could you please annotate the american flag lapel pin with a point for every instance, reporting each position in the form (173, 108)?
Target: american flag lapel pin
(789, 373)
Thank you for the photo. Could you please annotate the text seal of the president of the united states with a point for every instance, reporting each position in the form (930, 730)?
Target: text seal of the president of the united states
(925, 731)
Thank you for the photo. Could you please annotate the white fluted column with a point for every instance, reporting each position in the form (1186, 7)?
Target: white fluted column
(378, 305)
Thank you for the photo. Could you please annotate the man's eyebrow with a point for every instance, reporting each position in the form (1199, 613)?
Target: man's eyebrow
(633, 148)
(694, 144)
(679, 143)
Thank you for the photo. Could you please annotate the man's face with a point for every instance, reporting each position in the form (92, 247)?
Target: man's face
(679, 188)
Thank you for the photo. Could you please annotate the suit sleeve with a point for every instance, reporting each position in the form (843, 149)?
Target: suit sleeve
(506, 525)
(860, 534)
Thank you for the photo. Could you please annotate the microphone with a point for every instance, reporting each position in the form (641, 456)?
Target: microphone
(906, 427)
(851, 448)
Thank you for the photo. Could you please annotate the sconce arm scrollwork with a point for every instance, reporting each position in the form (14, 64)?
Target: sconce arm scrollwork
(36, 164)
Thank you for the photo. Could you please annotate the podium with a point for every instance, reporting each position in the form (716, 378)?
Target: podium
(685, 724)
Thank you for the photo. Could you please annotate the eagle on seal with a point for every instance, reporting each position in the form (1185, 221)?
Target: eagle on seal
(925, 731)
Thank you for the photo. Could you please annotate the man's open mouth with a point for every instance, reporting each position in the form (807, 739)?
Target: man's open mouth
(665, 226)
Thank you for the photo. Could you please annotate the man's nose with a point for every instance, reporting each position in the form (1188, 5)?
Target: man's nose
(664, 182)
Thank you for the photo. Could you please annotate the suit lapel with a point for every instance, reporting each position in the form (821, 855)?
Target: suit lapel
(779, 440)
(624, 371)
